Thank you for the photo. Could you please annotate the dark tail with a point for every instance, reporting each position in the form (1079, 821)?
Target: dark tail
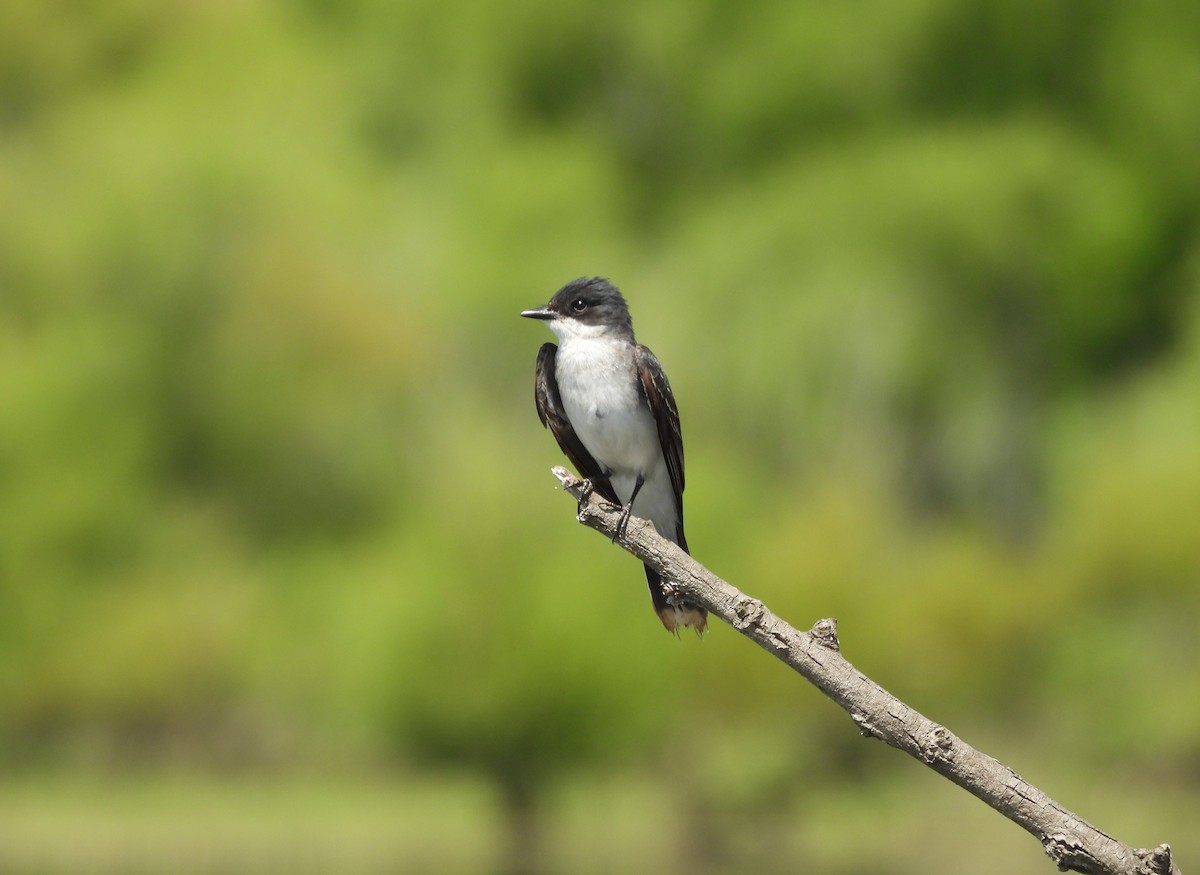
(675, 615)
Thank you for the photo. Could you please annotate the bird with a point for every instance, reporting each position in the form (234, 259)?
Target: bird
(606, 400)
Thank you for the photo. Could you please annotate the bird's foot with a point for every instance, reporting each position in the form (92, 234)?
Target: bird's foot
(622, 522)
(585, 492)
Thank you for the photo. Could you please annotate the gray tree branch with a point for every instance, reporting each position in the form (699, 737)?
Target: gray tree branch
(1072, 843)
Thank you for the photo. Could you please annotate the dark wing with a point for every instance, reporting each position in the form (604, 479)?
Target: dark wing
(554, 417)
(657, 392)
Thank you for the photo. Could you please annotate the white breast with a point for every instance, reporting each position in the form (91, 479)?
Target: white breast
(596, 381)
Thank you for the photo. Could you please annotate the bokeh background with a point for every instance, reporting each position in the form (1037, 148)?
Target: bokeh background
(285, 582)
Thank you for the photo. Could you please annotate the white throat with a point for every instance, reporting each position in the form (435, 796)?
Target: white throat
(567, 330)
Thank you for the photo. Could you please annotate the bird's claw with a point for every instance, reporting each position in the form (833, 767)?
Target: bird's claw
(622, 522)
(585, 492)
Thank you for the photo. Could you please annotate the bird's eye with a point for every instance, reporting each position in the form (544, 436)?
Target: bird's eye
(579, 305)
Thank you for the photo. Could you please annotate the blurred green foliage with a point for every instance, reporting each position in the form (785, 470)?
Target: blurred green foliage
(925, 276)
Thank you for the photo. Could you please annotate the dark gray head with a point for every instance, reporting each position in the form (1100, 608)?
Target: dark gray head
(586, 307)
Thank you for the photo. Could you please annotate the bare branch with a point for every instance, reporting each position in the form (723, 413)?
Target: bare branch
(1072, 843)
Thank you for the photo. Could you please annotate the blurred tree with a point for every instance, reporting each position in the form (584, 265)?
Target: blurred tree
(924, 276)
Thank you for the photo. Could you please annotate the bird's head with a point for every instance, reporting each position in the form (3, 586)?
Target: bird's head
(589, 307)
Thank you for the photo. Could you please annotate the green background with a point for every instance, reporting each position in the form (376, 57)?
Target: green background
(285, 582)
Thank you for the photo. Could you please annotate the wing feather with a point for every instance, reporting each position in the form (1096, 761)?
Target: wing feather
(554, 417)
(657, 391)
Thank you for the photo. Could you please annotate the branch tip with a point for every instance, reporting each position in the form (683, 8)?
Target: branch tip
(566, 478)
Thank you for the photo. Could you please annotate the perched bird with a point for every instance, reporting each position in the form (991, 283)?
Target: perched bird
(607, 402)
